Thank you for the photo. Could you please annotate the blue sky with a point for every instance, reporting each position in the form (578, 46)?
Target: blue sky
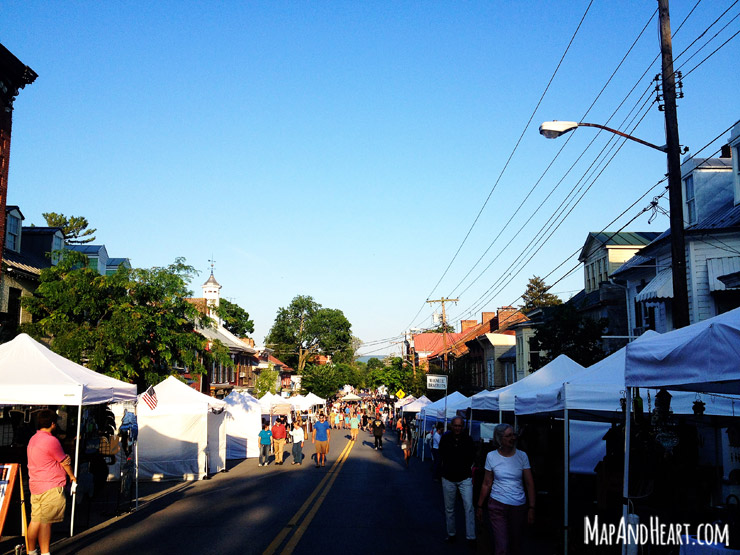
(342, 150)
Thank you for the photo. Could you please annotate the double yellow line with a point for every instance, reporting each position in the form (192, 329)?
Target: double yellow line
(318, 495)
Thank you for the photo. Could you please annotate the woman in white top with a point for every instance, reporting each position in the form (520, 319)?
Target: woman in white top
(298, 437)
(508, 490)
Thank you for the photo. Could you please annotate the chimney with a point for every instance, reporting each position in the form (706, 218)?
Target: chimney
(506, 316)
(465, 325)
(486, 316)
(726, 152)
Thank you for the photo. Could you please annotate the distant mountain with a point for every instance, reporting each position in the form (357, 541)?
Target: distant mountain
(365, 359)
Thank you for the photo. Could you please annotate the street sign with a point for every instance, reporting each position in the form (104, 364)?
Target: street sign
(436, 382)
(400, 394)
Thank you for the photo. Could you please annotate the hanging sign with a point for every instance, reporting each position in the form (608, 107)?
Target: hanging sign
(436, 382)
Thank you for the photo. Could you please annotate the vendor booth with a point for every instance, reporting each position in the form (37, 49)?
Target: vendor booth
(32, 374)
(243, 425)
(184, 436)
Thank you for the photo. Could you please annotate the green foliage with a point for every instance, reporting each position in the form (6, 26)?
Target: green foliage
(322, 380)
(395, 374)
(266, 382)
(442, 328)
(537, 295)
(134, 325)
(304, 329)
(74, 228)
(567, 333)
(235, 318)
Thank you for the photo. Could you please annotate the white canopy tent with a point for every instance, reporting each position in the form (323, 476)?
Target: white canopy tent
(403, 402)
(32, 374)
(243, 425)
(462, 403)
(300, 403)
(315, 399)
(417, 405)
(702, 357)
(184, 436)
(556, 371)
(432, 410)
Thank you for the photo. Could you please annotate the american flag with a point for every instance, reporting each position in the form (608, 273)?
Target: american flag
(150, 397)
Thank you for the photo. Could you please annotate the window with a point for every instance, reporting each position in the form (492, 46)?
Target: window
(13, 233)
(690, 200)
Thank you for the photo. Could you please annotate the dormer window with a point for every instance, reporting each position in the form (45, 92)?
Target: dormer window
(690, 200)
(13, 233)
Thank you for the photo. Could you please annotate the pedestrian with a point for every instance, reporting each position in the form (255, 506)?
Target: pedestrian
(436, 436)
(457, 453)
(321, 436)
(364, 421)
(406, 443)
(279, 435)
(508, 491)
(337, 420)
(48, 469)
(378, 428)
(354, 426)
(265, 442)
(298, 437)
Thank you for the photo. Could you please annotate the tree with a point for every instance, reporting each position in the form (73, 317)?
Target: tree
(322, 380)
(267, 381)
(235, 318)
(565, 332)
(537, 295)
(305, 329)
(442, 328)
(74, 228)
(134, 325)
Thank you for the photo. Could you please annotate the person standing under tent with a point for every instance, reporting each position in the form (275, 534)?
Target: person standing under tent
(265, 441)
(378, 428)
(298, 438)
(320, 437)
(48, 469)
(508, 490)
(279, 434)
(457, 454)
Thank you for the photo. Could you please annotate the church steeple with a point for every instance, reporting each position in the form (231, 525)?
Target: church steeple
(212, 293)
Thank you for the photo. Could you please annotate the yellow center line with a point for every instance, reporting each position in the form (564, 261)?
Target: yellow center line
(312, 513)
(272, 548)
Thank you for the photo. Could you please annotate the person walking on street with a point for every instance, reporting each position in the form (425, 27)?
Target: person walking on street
(265, 442)
(354, 426)
(406, 442)
(508, 492)
(48, 469)
(320, 437)
(378, 429)
(457, 454)
(436, 436)
(297, 435)
(279, 434)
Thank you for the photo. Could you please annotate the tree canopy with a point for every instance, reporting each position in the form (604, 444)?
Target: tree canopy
(567, 333)
(266, 382)
(235, 318)
(134, 325)
(537, 295)
(74, 228)
(305, 329)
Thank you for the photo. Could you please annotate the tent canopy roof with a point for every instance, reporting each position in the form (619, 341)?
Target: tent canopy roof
(175, 396)
(32, 374)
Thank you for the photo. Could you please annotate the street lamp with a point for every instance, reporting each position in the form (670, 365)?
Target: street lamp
(554, 129)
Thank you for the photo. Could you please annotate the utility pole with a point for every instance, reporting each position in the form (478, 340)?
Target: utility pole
(444, 328)
(673, 150)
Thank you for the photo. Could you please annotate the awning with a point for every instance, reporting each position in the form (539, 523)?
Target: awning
(721, 267)
(661, 287)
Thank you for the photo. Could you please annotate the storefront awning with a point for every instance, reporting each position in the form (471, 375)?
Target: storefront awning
(721, 267)
(660, 288)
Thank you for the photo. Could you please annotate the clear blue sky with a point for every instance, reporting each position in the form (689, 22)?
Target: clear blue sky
(343, 149)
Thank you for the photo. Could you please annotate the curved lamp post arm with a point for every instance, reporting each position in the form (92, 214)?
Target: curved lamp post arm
(553, 129)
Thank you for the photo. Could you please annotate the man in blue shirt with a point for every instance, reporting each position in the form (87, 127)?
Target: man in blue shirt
(320, 437)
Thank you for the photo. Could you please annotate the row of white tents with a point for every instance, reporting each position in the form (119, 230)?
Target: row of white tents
(698, 362)
(187, 434)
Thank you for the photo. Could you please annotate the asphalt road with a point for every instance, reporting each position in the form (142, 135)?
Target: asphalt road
(363, 501)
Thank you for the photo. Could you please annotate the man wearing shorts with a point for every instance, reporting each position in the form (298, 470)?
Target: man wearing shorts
(354, 426)
(320, 437)
(48, 468)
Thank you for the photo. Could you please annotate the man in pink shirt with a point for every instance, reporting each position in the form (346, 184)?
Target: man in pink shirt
(48, 468)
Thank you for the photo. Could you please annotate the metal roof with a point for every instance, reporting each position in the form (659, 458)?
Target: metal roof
(86, 249)
(637, 260)
(626, 238)
(661, 287)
